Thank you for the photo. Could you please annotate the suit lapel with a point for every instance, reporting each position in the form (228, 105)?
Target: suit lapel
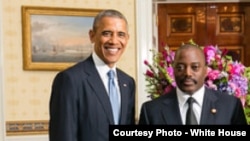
(124, 90)
(170, 106)
(171, 111)
(100, 91)
(207, 115)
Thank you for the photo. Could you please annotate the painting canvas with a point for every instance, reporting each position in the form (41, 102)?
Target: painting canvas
(60, 38)
(55, 38)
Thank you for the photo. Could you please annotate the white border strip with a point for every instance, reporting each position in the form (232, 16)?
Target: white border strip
(2, 121)
(144, 43)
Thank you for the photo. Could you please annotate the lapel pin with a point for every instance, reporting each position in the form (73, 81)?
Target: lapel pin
(213, 111)
(125, 85)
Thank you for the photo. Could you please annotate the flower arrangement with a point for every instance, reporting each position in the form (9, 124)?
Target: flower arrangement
(223, 74)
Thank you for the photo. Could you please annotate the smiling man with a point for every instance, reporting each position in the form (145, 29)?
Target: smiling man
(81, 107)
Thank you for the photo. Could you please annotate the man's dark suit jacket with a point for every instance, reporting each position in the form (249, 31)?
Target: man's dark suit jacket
(80, 109)
(218, 109)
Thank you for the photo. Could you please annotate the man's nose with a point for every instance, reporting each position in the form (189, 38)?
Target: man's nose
(188, 71)
(114, 39)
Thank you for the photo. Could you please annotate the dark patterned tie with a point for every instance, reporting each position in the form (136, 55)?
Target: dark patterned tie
(190, 117)
(113, 96)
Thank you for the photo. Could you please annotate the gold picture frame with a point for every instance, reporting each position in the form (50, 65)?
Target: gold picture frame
(55, 38)
(30, 127)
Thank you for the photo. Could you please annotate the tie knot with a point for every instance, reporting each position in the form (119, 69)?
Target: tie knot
(190, 100)
(111, 74)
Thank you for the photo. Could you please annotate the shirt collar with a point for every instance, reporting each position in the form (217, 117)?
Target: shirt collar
(198, 96)
(101, 66)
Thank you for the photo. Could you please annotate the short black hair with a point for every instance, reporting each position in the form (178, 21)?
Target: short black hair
(191, 45)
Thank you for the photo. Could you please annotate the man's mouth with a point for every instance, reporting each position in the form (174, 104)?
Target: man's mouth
(112, 50)
(188, 82)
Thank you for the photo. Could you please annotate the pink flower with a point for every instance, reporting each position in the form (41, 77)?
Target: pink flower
(168, 89)
(213, 74)
(146, 62)
(210, 53)
(150, 74)
(237, 68)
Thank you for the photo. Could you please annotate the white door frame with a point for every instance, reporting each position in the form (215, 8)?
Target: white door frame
(2, 121)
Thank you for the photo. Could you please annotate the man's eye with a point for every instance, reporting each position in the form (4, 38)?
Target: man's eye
(121, 34)
(180, 67)
(195, 68)
(106, 33)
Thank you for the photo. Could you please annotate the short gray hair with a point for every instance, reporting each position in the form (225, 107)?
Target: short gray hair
(108, 13)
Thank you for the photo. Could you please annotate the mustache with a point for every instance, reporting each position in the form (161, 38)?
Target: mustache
(188, 79)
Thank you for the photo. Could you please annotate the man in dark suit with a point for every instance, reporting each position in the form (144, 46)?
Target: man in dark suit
(80, 108)
(210, 107)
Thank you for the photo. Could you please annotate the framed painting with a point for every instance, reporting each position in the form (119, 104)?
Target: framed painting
(55, 38)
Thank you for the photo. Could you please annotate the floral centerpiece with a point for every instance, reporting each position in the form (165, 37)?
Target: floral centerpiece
(223, 74)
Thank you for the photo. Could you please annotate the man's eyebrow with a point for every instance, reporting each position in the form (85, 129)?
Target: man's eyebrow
(106, 31)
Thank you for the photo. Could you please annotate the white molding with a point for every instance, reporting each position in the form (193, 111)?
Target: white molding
(2, 121)
(144, 43)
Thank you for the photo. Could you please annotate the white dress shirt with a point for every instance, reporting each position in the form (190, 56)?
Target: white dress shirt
(197, 105)
(103, 69)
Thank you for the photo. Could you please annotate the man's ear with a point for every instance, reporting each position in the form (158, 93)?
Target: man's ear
(91, 36)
